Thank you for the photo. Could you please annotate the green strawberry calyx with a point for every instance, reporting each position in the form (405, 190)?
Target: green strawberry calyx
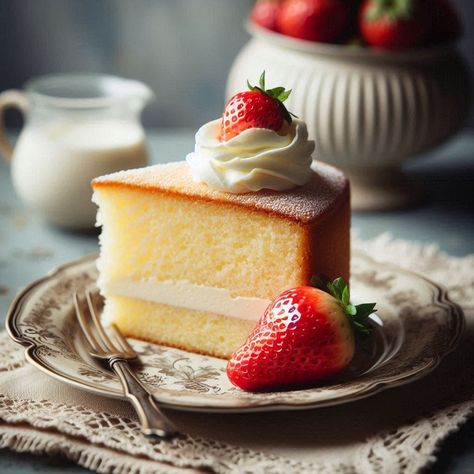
(358, 314)
(280, 94)
(390, 10)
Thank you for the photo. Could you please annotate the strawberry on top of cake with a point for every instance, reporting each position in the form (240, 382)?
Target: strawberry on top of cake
(257, 144)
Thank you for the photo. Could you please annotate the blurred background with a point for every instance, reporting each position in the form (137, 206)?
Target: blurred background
(182, 49)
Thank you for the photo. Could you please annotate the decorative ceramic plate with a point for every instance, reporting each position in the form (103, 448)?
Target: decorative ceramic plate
(416, 326)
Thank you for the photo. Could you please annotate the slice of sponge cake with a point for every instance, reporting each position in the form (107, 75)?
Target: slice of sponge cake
(184, 265)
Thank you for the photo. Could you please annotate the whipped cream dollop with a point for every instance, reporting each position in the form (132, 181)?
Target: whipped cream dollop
(255, 159)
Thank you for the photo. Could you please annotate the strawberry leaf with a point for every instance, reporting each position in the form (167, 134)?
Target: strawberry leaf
(339, 285)
(360, 320)
(363, 311)
(345, 296)
(280, 94)
(358, 314)
(351, 310)
(261, 81)
(332, 290)
(390, 10)
(276, 92)
(283, 95)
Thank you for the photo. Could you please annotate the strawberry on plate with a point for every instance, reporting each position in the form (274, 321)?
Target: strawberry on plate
(256, 108)
(265, 13)
(305, 335)
(394, 24)
(314, 20)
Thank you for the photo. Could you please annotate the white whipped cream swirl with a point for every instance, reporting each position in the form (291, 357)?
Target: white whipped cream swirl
(255, 159)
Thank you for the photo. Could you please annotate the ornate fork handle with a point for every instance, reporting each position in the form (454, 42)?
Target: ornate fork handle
(152, 420)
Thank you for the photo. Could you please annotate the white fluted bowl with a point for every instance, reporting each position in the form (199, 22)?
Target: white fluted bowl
(367, 110)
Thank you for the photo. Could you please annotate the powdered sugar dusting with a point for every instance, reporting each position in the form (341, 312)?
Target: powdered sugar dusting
(303, 204)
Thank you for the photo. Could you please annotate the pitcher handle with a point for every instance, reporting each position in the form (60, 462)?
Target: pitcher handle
(10, 98)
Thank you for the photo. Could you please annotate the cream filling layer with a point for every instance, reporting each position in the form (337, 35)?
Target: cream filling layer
(190, 296)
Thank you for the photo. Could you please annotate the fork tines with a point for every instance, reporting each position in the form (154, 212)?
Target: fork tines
(96, 334)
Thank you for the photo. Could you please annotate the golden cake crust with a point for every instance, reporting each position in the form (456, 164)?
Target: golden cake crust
(304, 204)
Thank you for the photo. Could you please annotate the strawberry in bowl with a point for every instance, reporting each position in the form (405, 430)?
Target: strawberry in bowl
(306, 335)
(393, 24)
(314, 20)
(265, 13)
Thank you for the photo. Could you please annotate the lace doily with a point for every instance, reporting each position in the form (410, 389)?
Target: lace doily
(42, 416)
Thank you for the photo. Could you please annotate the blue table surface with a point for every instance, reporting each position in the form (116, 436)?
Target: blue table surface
(29, 248)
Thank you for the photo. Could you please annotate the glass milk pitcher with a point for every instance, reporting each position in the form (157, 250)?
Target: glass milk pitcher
(77, 127)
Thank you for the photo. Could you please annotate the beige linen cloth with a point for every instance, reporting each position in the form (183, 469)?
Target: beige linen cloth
(393, 432)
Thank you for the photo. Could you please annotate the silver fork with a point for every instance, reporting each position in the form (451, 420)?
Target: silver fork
(117, 353)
